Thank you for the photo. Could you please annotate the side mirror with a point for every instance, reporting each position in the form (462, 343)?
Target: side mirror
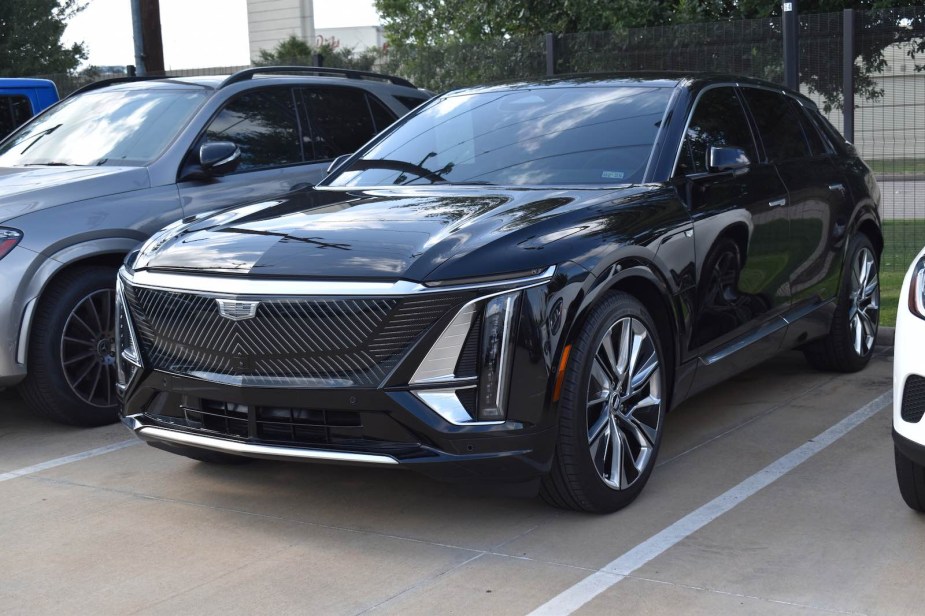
(728, 158)
(337, 162)
(219, 157)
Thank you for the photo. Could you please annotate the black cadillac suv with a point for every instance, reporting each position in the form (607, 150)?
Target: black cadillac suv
(514, 281)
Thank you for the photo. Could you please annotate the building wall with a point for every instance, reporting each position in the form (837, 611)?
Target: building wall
(272, 21)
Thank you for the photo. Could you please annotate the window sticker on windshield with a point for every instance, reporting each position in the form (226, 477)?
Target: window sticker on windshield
(612, 175)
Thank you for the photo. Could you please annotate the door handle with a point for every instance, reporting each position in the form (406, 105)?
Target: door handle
(837, 186)
(777, 203)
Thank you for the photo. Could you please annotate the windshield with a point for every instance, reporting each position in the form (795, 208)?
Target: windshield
(543, 135)
(114, 127)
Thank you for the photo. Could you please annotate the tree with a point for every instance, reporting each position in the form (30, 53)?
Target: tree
(447, 43)
(295, 51)
(30, 37)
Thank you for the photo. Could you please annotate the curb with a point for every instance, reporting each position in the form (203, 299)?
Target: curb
(886, 336)
(899, 177)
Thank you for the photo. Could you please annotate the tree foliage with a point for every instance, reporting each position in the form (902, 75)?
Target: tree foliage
(446, 43)
(295, 51)
(30, 37)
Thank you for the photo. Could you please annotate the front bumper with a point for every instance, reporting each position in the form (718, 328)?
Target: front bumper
(359, 427)
(409, 418)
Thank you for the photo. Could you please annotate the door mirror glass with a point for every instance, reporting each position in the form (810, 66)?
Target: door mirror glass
(728, 158)
(337, 162)
(219, 157)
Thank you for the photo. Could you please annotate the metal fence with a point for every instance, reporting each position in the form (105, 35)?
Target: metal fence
(862, 67)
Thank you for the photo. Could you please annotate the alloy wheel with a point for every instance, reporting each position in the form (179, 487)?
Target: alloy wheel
(88, 349)
(624, 403)
(865, 302)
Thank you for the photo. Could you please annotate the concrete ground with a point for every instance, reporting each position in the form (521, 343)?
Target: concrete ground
(137, 530)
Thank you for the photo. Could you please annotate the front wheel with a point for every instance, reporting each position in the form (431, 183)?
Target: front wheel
(71, 371)
(612, 410)
(850, 342)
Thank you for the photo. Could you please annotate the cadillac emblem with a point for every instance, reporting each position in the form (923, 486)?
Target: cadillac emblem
(237, 310)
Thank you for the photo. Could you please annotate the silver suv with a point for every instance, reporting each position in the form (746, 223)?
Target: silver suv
(85, 182)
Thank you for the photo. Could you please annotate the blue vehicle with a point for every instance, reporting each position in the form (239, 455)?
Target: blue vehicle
(20, 99)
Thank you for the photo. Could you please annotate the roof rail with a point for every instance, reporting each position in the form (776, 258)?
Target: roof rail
(102, 83)
(248, 73)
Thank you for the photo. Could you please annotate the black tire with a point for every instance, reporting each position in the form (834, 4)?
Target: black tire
(586, 481)
(203, 455)
(911, 479)
(839, 350)
(51, 387)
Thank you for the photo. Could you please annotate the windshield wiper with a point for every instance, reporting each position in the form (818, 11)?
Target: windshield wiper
(402, 166)
(51, 163)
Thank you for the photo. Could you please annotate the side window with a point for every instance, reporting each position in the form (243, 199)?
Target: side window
(381, 114)
(263, 124)
(14, 110)
(778, 124)
(340, 119)
(816, 145)
(718, 120)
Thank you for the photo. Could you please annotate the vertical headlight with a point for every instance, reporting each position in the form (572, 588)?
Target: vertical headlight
(495, 355)
(128, 358)
(917, 290)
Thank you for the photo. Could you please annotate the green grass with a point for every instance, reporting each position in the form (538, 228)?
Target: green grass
(898, 166)
(902, 241)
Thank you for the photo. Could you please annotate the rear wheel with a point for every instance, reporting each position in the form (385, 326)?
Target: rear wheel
(850, 342)
(911, 478)
(71, 377)
(612, 410)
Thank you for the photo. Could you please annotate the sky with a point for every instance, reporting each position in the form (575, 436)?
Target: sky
(196, 33)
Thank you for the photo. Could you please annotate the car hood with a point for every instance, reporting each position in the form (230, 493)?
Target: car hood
(29, 189)
(411, 233)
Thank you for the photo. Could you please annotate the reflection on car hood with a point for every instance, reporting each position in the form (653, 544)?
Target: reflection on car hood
(29, 189)
(412, 233)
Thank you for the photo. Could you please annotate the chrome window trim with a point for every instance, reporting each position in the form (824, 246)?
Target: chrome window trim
(218, 286)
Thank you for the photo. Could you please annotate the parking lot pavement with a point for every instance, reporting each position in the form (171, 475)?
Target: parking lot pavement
(137, 530)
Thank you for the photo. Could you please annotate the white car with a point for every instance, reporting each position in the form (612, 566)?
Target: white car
(909, 387)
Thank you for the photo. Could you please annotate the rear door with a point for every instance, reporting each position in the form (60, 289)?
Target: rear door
(817, 195)
(265, 125)
(741, 236)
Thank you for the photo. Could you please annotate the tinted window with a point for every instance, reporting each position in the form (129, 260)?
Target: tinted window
(340, 120)
(810, 132)
(543, 135)
(14, 110)
(115, 127)
(381, 115)
(411, 101)
(778, 124)
(718, 120)
(263, 124)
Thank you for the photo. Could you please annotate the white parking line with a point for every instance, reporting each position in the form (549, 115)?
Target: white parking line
(77, 457)
(573, 598)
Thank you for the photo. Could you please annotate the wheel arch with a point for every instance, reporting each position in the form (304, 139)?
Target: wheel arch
(639, 280)
(109, 252)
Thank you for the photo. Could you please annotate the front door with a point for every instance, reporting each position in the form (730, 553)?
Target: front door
(741, 239)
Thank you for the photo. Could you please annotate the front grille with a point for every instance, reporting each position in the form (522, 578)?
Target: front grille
(307, 342)
(913, 406)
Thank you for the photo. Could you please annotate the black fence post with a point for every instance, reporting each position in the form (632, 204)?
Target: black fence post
(848, 73)
(791, 28)
(550, 54)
